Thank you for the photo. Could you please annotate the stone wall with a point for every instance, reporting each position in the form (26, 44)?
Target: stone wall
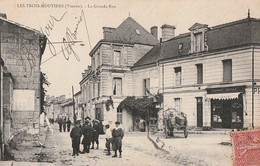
(21, 54)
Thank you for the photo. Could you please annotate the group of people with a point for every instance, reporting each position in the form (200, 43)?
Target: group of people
(91, 135)
(63, 123)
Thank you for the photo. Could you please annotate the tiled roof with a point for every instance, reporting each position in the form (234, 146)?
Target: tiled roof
(229, 35)
(129, 31)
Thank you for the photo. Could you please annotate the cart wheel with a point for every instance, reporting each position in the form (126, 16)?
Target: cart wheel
(185, 133)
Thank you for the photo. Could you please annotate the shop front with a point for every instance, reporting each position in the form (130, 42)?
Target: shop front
(226, 107)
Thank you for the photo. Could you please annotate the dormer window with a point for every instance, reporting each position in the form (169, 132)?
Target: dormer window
(198, 42)
(180, 48)
(137, 31)
(198, 37)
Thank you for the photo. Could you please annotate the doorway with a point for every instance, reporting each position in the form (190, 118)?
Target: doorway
(199, 111)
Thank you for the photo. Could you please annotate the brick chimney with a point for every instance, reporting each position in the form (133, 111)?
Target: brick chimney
(107, 32)
(154, 31)
(168, 32)
(3, 15)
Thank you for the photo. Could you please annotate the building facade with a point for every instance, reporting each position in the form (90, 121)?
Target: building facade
(211, 74)
(110, 79)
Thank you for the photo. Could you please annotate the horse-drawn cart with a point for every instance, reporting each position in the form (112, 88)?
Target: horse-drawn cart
(175, 120)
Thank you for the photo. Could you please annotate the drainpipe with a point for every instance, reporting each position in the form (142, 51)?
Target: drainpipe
(253, 83)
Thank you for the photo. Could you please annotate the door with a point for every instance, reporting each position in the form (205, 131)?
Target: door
(199, 112)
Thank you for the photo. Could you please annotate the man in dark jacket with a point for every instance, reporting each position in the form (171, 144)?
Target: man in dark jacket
(60, 123)
(64, 123)
(75, 135)
(68, 125)
(96, 132)
(87, 132)
(117, 136)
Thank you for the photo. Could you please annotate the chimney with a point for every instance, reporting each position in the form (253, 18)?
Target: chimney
(107, 32)
(154, 31)
(3, 15)
(168, 32)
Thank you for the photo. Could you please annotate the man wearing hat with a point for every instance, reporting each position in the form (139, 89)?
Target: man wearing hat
(95, 135)
(75, 135)
(117, 136)
(87, 132)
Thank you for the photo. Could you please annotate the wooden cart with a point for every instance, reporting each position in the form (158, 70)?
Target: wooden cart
(175, 120)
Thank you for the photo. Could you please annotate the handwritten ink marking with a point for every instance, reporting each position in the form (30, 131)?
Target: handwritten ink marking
(28, 54)
(71, 38)
(48, 28)
(68, 41)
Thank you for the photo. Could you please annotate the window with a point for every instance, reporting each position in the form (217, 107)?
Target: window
(117, 58)
(99, 89)
(180, 48)
(120, 116)
(94, 94)
(198, 42)
(227, 70)
(146, 86)
(177, 102)
(117, 86)
(199, 74)
(177, 76)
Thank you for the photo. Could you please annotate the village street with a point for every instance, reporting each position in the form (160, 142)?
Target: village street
(197, 149)
(208, 148)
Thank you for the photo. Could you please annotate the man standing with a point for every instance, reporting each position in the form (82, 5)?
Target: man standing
(87, 132)
(75, 135)
(95, 135)
(117, 136)
(64, 124)
(68, 125)
(60, 123)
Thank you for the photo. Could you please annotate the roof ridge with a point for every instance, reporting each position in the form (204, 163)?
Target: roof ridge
(21, 25)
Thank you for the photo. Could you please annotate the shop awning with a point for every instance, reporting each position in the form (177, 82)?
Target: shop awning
(223, 96)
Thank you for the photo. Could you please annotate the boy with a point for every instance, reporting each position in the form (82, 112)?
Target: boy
(75, 135)
(108, 139)
(117, 136)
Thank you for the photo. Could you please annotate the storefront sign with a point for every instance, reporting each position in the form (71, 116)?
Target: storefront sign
(226, 90)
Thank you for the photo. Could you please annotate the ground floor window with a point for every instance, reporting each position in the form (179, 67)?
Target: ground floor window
(227, 113)
(120, 115)
(99, 114)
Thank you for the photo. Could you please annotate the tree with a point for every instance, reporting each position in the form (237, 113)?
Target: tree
(44, 81)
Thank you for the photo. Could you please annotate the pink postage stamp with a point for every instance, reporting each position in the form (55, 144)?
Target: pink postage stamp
(246, 148)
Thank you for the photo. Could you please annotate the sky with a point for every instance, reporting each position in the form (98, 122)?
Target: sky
(80, 23)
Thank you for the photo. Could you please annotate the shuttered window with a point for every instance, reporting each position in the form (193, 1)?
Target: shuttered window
(177, 71)
(117, 58)
(120, 116)
(198, 42)
(177, 104)
(117, 86)
(227, 70)
(199, 74)
(146, 86)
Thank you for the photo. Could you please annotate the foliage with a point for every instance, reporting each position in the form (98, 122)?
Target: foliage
(44, 81)
(141, 105)
(109, 103)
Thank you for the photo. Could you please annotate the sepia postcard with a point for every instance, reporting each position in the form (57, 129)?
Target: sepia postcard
(130, 82)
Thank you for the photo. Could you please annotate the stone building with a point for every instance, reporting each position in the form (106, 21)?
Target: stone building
(78, 105)
(21, 50)
(212, 74)
(109, 79)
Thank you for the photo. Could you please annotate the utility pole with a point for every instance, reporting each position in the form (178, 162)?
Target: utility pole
(73, 104)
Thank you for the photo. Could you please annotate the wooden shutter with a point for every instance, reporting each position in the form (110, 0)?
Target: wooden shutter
(227, 70)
